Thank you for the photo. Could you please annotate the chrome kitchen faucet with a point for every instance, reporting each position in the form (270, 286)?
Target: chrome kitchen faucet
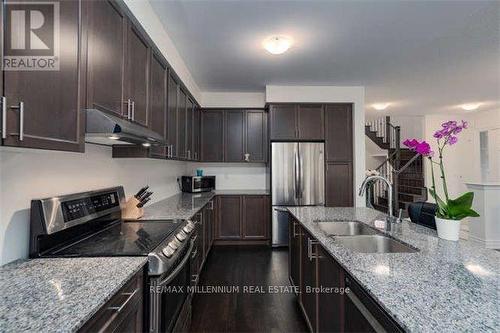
(391, 217)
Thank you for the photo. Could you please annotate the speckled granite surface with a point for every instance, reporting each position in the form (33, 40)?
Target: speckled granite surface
(60, 294)
(445, 287)
(178, 206)
(185, 205)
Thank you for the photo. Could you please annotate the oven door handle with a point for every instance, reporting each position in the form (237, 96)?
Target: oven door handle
(179, 267)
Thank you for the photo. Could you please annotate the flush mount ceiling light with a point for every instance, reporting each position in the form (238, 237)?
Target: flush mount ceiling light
(277, 44)
(380, 106)
(470, 106)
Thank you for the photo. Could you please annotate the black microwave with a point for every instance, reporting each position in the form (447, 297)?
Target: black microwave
(193, 184)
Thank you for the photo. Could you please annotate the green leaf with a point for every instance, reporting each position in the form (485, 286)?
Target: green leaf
(460, 207)
(465, 200)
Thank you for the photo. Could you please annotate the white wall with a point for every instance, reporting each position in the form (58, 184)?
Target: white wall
(462, 161)
(146, 15)
(233, 99)
(234, 176)
(374, 154)
(411, 126)
(331, 94)
(27, 174)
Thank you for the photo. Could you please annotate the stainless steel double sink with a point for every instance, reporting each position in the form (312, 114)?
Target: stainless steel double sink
(362, 238)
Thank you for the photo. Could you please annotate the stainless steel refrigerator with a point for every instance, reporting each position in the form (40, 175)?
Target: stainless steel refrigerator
(297, 179)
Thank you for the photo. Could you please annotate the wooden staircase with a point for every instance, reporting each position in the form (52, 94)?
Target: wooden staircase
(403, 168)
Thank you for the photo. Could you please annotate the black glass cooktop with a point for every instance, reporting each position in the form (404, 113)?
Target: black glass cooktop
(121, 239)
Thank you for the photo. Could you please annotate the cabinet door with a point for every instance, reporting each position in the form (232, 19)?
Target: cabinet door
(256, 136)
(331, 311)
(310, 122)
(283, 122)
(137, 77)
(43, 107)
(208, 226)
(158, 102)
(172, 101)
(189, 129)
(339, 184)
(338, 127)
(229, 222)
(181, 125)
(255, 217)
(294, 255)
(212, 144)
(234, 136)
(308, 281)
(196, 133)
(105, 72)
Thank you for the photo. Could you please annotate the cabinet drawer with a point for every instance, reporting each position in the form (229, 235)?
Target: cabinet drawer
(123, 312)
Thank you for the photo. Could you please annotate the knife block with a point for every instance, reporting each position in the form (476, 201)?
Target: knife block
(131, 211)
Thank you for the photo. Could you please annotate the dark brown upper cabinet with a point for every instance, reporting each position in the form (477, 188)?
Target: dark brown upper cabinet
(137, 75)
(181, 125)
(172, 100)
(256, 136)
(212, 138)
(196, 133)
(189, 129)
(310, 122)
(158, 101)
(234, 145)
(106, 57)
(244, 136)
(283, 122)
(339, 133)
(42, 108)
(297, 122)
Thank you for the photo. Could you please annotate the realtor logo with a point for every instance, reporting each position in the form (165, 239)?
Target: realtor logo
(31, 36)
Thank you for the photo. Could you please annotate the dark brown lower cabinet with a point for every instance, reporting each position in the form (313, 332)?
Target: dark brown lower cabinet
(294, 252)
(255, 216)
(123, 312)
(308, 281)
(330, 309)
(242, 219)
(325, 306)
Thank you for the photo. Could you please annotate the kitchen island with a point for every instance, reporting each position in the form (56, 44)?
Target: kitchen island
(444, 287)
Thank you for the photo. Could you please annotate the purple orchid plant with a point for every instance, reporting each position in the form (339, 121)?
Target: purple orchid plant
(450, 209)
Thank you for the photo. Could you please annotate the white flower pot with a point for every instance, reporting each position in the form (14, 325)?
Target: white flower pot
(448, 229)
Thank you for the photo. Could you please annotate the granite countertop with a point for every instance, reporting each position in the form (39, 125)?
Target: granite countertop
(59, 294)
(445, 287)
(185, 205)
(242, 192)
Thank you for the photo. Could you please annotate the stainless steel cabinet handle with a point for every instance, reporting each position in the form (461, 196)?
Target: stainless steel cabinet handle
(211, 207)
(195, 253)
(119, 309)
(310, 254)
(129, 106)
(194, 278)
(4, 117)
(295, 234)
(20, 107)
(133, 110)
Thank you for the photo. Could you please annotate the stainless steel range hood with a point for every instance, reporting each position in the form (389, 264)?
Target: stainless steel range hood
(106, 129)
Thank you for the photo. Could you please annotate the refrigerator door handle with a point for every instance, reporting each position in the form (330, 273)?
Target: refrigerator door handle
(296, 175)
(301, 175)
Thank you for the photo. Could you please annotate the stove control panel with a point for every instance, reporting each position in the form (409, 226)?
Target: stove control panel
(78, 208)
(177, 241)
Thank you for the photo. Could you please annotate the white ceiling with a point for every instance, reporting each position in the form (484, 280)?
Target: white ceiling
(423, 56)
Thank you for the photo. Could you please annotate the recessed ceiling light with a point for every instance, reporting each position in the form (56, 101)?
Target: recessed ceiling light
(470, 106)
(380, 106)
(114, 137)
(146, 144)
(277, 44)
